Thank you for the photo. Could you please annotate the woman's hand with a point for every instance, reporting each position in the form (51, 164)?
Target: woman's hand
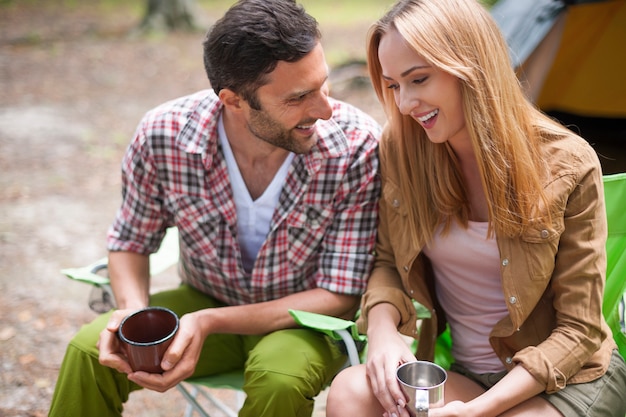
(386, 350)
(452, 409)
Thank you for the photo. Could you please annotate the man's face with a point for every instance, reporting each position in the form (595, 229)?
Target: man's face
(292, 102)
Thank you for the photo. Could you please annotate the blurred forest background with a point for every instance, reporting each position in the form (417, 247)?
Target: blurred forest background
(75, 78)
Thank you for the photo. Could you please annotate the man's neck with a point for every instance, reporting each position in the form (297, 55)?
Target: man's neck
(257, 160)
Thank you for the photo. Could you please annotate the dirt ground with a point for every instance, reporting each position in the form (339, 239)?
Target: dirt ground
(73, 85)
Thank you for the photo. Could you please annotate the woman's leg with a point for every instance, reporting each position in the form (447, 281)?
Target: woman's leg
(350, 395)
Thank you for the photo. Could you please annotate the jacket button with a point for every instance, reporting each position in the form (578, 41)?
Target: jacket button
(395, 203)
(406, 268)
(512, 300)
(544, 233)
(505, 262)
(508, 360)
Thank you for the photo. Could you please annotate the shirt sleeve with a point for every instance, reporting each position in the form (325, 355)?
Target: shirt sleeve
(347, 252)
(139, 225)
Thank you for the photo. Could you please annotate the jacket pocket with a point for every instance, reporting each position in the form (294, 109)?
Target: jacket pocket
(540, 242)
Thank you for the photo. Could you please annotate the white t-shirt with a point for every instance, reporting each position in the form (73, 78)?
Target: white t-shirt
(469, 287)
(253, 216)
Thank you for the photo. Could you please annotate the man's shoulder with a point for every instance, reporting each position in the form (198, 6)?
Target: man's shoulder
(197, 102)
(353, 121)
(183, 120)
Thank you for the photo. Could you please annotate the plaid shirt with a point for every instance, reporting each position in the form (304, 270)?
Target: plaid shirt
(323, 230)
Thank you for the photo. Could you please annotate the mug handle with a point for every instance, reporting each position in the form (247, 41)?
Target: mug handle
(421, 402)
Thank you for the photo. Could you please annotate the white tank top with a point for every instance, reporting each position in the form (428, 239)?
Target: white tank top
(253, 216)
(469, 287)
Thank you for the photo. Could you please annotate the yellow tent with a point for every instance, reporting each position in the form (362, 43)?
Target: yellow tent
(588, 75)
(571, 57)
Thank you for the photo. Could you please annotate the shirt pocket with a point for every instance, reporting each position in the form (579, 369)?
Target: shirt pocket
(201, 228)
(306, 227)
(540, 242)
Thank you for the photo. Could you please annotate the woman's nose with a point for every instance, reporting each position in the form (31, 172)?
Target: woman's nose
(405, 102)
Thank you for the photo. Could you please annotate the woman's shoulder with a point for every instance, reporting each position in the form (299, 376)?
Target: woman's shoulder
(569, 154)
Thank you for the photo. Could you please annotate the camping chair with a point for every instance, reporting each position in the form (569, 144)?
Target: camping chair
(101, 300)
(614, 292)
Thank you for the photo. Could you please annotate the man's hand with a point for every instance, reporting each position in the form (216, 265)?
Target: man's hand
(179, 362)
(111, 354)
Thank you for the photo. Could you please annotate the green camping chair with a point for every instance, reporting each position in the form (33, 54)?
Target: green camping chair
(614, 292)
(102, 300)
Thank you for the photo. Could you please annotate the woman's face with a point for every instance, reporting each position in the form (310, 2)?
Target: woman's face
(430, 96)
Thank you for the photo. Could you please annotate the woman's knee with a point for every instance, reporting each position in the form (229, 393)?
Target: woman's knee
(350, 392)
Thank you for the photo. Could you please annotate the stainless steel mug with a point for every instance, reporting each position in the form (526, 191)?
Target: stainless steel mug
(422, 382)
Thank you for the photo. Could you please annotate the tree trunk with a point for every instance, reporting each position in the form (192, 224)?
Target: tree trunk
(167, 15)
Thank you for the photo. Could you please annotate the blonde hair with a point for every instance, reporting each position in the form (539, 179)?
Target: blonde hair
(460, 38)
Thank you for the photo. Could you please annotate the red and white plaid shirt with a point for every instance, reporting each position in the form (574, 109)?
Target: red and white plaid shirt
(323, 230)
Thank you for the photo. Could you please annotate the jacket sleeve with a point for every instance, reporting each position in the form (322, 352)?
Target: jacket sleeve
(577, 279)
(385, 284)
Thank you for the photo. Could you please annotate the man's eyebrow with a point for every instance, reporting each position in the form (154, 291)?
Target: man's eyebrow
(305, 92)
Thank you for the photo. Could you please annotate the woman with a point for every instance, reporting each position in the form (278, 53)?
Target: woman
(493, 218)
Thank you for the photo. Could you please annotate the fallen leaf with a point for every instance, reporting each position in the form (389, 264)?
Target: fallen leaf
(7, 333)
(42, 382)
(26, 359)
(24, 315)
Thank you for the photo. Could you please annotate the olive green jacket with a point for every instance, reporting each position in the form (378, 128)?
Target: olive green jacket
(552, 276)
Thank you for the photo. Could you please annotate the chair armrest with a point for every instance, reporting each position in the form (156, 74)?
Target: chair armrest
(89, 273)
(338, 329)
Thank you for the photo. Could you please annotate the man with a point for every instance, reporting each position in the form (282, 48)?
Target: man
(273, 187)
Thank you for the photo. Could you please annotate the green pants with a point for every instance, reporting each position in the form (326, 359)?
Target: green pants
(284, 370)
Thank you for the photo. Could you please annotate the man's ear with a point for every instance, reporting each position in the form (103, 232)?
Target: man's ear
(230, 99)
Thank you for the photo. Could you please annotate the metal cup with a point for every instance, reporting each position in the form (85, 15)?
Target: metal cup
(422, 382)
(145, 335)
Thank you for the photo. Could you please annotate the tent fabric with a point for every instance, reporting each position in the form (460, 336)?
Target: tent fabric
(584, 74)
(587, 75)
(525, 24)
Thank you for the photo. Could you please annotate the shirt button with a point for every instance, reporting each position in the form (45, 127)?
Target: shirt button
(544, 234)
(512, 300)
(505, 262)
(395, 203)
